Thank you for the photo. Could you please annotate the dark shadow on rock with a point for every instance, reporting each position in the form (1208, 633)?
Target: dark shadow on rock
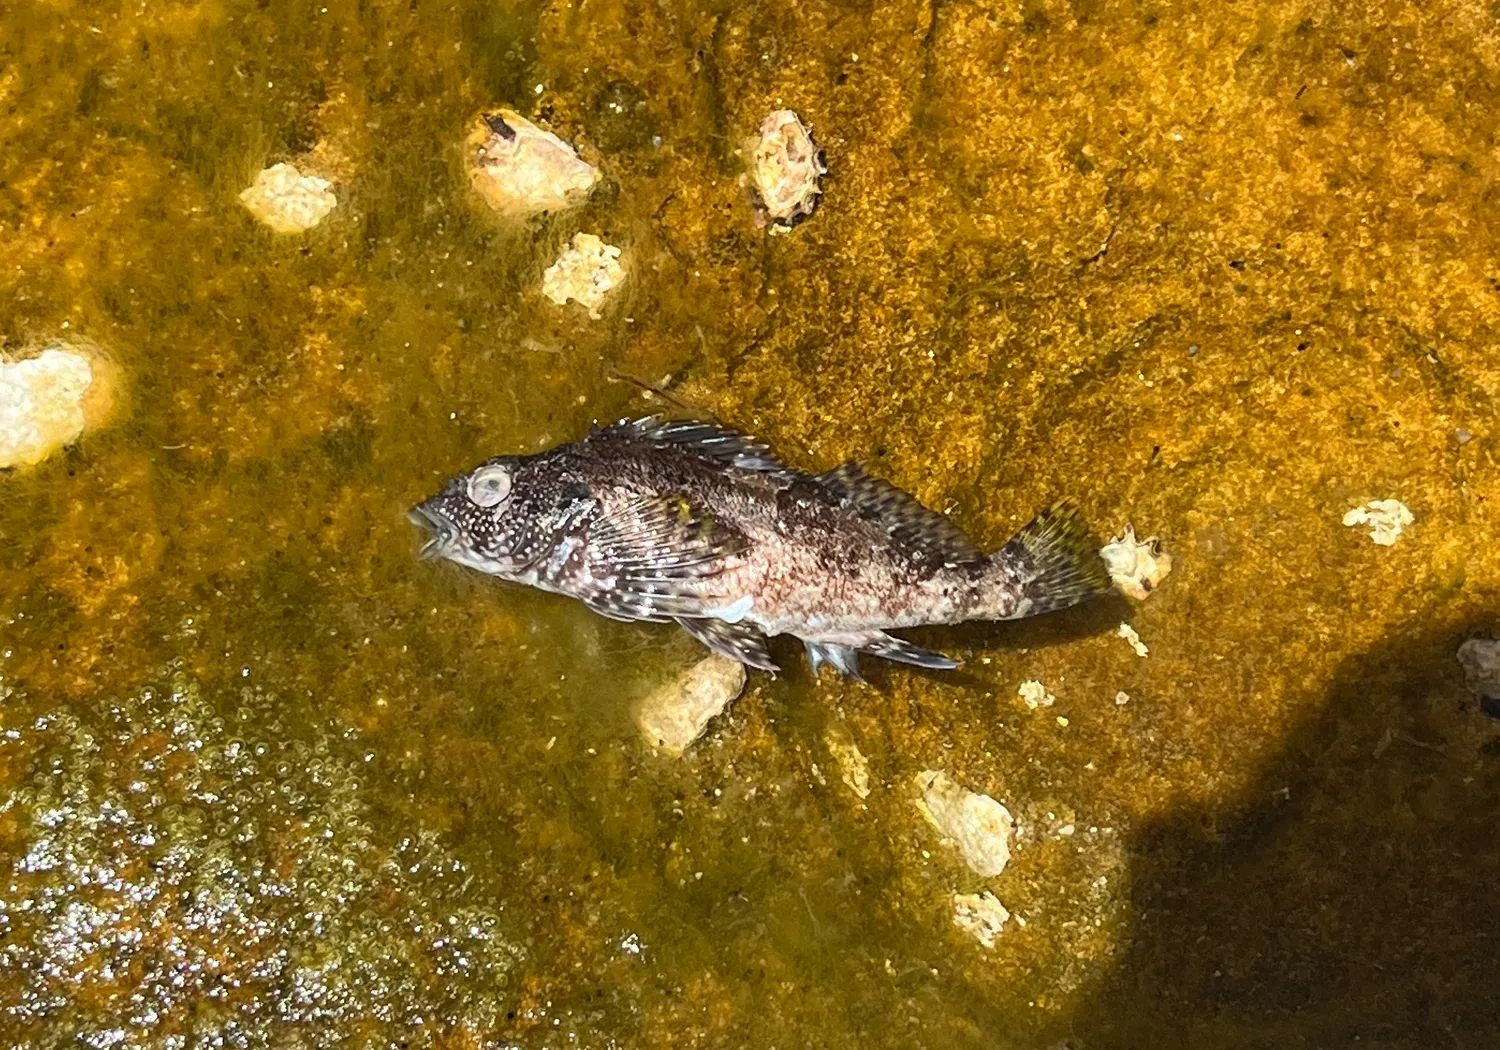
(1101, 616)
(1351, 899)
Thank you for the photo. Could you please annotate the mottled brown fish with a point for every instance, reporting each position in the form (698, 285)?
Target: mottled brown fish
(659, 520)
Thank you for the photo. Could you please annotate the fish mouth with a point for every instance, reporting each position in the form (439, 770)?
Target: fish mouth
(444, 532)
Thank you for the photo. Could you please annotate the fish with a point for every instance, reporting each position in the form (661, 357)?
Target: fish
(677, 521)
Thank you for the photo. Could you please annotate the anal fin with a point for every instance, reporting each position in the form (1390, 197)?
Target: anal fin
(891, 648)
(844, 653)
(738, 641)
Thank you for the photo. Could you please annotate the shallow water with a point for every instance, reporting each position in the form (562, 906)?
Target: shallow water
(1222, 273)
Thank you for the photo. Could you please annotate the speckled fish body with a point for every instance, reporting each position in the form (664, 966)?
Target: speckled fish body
(677, 521)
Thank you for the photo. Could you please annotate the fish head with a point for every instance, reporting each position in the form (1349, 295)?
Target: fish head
(498, 518)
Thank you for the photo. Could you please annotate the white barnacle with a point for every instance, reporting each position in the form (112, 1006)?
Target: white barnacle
(785, 168)
(1128, 633)
(981, 915)
(1137, 567)
(586, 272)
(1034, 695)
(42, 404)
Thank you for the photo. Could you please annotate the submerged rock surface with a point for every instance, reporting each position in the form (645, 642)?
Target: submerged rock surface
(169, 870)
(1223, 270)
(978, 825)
(674, 715)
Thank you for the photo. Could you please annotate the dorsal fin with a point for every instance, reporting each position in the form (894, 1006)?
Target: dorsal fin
(716, 444)
(905, 520)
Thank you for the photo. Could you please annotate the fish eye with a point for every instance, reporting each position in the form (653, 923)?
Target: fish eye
(489, 485)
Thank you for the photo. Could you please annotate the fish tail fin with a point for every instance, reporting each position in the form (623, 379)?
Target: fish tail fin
(1053, 563)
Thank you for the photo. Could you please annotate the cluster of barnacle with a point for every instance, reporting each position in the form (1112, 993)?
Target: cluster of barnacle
(520, 169)
(517, 168)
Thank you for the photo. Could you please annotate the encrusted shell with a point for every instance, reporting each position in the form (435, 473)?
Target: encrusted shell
(785, 168)
(519, 168)
(675, 715)
(1136, 566)
(978, 825)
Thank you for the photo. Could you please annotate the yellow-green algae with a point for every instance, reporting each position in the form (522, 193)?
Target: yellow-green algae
(1224, 271)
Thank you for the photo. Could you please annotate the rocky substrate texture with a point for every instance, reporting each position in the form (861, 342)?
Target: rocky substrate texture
(1223, 273)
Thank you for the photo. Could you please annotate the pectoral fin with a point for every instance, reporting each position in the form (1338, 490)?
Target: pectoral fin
(652, 555)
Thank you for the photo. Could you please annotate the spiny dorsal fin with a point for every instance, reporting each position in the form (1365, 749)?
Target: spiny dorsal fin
(904, 519)
(650, 550)
(716, 444)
